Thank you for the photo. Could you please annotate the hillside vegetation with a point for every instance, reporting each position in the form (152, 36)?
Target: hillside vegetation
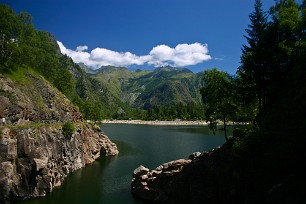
(110, 92)
(24, 47)
(146, 89)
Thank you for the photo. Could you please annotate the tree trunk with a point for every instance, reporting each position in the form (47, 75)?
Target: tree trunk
(224, 126)
(260, 99)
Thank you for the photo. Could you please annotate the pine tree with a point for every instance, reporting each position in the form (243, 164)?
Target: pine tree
(252, 70)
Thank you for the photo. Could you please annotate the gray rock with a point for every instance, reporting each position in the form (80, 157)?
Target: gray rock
(146, 184)
(194, 155)
(36, 158)
(141, 170)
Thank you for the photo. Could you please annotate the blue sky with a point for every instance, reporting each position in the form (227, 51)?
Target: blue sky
(197, 34)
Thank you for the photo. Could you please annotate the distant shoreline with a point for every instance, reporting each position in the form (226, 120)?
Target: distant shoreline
(156, 122)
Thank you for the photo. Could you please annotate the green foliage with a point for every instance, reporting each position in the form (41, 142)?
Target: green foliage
(218, 97)
(253, 57)
(166, 86)
(92, 111)
(68, 129)
(23, 46)
(244, 138)
(274, 49)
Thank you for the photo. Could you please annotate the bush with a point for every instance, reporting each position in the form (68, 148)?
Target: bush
(68, 129)
(248, 139)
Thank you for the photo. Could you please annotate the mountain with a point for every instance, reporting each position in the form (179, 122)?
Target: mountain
(95, 99)
(109, 92)
(144, 89)
(43, 137)
(43, 134)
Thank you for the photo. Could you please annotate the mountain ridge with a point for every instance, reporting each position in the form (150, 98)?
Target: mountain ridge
(144, 89)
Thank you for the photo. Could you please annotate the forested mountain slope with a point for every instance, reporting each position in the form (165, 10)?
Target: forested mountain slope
(145, 89)
(43, 136)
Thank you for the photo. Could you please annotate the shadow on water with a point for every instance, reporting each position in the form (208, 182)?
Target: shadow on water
(203, 130)
(125, 148)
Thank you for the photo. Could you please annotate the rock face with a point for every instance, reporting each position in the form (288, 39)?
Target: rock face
(154, 184)
(35, 152)
(35, 160)
(203, 178)
(37, 101)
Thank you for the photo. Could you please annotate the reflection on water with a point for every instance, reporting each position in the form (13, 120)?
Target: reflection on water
(108, 179)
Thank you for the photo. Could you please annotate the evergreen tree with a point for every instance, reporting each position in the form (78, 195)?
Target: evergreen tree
(285, 29)
(252, 70)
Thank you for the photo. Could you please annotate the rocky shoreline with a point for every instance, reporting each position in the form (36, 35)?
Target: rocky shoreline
(36, 152)
(156, 122)
(202, 178)
(36, 160)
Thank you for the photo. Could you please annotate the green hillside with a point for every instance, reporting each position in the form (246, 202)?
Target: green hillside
(109, 92)
(25, 48)
(165, 86)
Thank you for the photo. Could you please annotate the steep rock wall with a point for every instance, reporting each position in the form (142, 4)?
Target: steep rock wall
(35, 153)
(35, 160)
(35, 100)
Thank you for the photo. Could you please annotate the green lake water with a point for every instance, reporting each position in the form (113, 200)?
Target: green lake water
(108, 179)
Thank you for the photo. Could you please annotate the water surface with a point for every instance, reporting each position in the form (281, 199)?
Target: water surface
(108, 180)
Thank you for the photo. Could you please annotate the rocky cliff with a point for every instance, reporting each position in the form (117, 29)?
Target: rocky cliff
(32, 99)
(35, 160)
(36, 153)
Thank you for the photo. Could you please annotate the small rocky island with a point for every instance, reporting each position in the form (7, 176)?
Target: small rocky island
(36, 154)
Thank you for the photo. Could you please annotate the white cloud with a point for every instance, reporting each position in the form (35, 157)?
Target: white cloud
(181, 55)
(82, 48)
(161, 55)
(103, 56)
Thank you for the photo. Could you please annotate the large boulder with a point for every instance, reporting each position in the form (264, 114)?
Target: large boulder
(146, 183)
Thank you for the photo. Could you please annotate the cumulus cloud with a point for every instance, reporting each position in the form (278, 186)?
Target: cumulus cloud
(181, 55)
(161, 55)
(82, 48)
(107, 57)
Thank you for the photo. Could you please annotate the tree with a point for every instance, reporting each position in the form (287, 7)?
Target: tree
(274, 48)
(10, 28)
(286, 28)
(218, 98)
(252, 70)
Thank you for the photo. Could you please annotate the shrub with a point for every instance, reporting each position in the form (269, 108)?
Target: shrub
(247, 139)
(68, 129)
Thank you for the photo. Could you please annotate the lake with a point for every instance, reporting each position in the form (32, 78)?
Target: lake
(108, 180)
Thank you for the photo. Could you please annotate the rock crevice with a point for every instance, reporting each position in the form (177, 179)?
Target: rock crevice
(35, 154)
(35, 160)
